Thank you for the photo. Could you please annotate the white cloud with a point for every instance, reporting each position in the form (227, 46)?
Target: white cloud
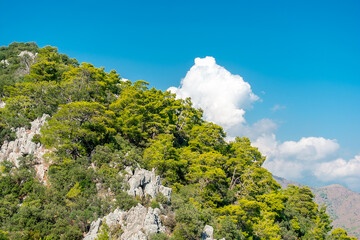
(286, 169)
(267, 145)
(262, 127)
(290, 158)
(339, 168)
(277, 107)
(223, 96)
(308, 149)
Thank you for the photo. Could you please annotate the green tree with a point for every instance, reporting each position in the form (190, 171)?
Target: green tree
(50, 65)
(78, 127)
(164, 157)
(340, 234)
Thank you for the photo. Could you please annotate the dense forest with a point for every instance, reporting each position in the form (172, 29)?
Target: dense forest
(99, 124)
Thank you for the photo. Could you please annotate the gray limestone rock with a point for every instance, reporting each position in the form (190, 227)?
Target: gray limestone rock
(27, 59)
(23, 146)
(143, 182)
(94, 229)
(137, 223)
(30, 54)
(208, 233)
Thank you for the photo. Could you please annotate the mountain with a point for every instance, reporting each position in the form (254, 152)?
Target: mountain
(86, 154)
(343, 205)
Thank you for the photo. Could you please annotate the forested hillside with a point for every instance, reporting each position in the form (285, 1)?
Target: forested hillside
(338, 201)
(97, 126)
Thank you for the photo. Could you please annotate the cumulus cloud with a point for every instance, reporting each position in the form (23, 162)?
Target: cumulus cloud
(309, 160)
(339, 168)
(308, 149)
(286, 169)
(223, 96)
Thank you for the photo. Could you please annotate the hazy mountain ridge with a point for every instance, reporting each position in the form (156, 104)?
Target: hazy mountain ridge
(343, 205)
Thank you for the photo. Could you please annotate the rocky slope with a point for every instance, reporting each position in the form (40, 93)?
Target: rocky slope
(343, 205)
(140, 221)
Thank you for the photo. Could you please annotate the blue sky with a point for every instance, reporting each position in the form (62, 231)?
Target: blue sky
(302, 56)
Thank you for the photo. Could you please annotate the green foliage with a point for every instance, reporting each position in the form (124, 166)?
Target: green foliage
(189, 224)
(143, 114)
(13, 72)
(50, 65)
(4, 235)
(340, 234)
(158, 236)
(228, 229)
(18, 111)
(36, 139)
(77, 128)
(74, 191)
(155, 204)
(164, 157)
(104, 232)
(207, 137)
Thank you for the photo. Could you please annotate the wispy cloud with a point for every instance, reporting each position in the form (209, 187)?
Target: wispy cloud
(277, 107)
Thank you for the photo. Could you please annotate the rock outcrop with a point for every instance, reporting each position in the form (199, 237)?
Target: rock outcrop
(27, 58)
(23, 146)
(137, 223)
(143, 182)
(30, 54)
(208, 233)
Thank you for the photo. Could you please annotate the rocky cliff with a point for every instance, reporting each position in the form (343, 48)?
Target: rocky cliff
(23, 146)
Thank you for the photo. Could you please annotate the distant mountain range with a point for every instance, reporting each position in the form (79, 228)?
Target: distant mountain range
(343, 205)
